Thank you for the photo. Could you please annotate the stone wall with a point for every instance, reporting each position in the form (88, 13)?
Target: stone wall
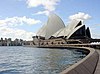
(86, 66)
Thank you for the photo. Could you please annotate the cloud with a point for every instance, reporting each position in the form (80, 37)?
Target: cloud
(13, 33)
(96, 35)
(80, 16)
(42, 12)
(14, 21)
(96, 24)
(8, 27)
(48, 5)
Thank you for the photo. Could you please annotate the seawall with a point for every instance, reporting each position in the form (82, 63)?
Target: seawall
(85, 66)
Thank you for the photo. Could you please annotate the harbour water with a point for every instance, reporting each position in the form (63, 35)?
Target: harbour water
(28, 60)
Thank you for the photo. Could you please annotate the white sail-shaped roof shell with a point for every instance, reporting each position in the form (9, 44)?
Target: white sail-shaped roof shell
(73, 31)
(53, 24)
(67, 31)
(42, 31)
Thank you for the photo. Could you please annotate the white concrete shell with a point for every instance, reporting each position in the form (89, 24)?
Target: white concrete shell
(53, 24)
(73, 31)
(42, 31)
(69, 29)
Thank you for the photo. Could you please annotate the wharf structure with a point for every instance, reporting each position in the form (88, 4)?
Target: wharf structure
(54, 32)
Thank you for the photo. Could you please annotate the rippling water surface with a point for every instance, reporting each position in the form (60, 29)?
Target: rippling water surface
(28, 60)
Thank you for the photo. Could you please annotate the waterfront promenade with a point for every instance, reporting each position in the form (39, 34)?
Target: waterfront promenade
(97, 71)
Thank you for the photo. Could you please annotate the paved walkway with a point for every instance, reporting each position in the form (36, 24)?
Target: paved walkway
(97, 71)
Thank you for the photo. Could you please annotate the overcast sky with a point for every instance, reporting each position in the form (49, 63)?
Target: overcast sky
(23, 18)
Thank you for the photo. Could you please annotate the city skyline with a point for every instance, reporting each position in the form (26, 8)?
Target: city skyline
(23, 18)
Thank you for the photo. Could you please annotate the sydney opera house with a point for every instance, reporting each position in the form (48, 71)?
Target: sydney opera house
(56, 32)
